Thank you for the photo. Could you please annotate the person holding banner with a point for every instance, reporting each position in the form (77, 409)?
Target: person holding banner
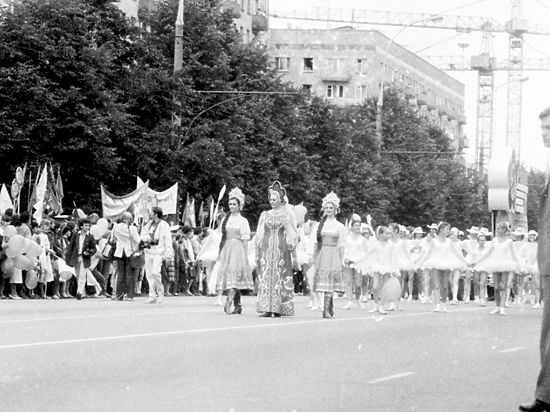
(234, 269)
(156, 240)
(127, 240)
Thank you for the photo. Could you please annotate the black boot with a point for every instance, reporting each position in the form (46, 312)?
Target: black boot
(326, 310)
(536, 406)
(229, 301)
(237, 302)
(331, 306)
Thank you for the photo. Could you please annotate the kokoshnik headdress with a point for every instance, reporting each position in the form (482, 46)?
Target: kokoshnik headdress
(279, 189)
(331, 198)
(238, 194)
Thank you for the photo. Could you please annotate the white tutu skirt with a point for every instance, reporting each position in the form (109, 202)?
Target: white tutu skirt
(443, 264)
(493, 265)
(383, 268)
(304, 258)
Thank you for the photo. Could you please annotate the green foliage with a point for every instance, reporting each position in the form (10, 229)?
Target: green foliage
(96, 95)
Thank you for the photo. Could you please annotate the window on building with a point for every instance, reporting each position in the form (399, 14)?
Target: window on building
(335, 90)
(282, 64)
(306, 87)
(335, 64)
(308, 64)
(361, 91)
(362, 66)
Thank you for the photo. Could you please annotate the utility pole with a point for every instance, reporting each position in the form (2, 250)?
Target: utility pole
(178, 41)
(178, 65)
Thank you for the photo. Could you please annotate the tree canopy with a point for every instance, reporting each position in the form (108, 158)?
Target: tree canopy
(82, 87)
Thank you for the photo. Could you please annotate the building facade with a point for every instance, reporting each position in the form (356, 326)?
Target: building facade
(250, 16)
(347, 66)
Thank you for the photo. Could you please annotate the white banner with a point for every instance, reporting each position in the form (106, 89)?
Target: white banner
(5, 200)
(40, 193)
(134, 202)
(140, 201)
(167, 200)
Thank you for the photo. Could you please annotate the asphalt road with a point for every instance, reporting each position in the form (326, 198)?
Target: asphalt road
(187, 355)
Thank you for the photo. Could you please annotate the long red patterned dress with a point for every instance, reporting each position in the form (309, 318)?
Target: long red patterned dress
(276, 288)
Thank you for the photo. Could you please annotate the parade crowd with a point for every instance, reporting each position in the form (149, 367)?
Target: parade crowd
(93, 257)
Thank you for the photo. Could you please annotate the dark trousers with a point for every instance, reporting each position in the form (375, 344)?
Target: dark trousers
(543, 382)
(126, 277)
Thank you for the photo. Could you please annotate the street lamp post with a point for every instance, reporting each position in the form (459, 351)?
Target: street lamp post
(380, 102)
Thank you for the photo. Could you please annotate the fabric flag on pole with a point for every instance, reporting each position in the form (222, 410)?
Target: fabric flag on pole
(51, 199)
(5, 200)
(32, 199)
(188, 218)
(202, 214)
(211, 211)
(59, 189)
(139, 182)
(40, 191)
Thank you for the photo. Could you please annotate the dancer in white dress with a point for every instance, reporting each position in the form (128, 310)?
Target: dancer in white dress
(380, 260)
(442, 257)
(355, 250)
(426, 273)
(405, 264)
(415, 245)
(480, 276)
(469, 246)
(500, 259)
(457, 273)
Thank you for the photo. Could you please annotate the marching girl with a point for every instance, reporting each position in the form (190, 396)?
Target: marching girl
(370, 240)
(456, 273)
(469, 247)
(442, 256)
(517, 279)
(532, 265)
(234, 268)
(480, 276)
(415, 245)
(355, 249)
(402, 250)
(500, 260)
(382, 264)
(46, 269)
(329, 254)
(304, 253)
(426, 274)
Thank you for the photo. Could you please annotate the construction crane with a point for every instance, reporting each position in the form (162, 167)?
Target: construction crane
(484, 63)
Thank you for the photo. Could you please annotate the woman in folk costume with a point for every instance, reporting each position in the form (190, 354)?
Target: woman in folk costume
(355, 250)
(500, 259)
(329, 254)
(276, 237)
(234, 269)
(442, 257)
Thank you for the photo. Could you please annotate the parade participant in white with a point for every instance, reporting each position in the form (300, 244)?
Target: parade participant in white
(157, 242)
(442, 256)
(500, 259)
(355, 250)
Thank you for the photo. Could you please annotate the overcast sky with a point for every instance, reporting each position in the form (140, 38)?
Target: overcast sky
(431, 42)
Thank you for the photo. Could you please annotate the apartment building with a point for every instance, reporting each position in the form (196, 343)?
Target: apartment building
(347, 66)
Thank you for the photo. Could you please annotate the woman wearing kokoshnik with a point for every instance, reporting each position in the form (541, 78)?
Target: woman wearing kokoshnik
(234, 270)
(275, 239)
(329, 254)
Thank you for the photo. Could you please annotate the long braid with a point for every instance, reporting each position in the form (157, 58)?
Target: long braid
(319, 229)
(224, 232)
